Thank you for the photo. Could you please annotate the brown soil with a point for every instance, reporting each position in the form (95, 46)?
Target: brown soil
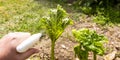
(65, 44)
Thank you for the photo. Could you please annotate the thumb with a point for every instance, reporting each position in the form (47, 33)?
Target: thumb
(29, 53)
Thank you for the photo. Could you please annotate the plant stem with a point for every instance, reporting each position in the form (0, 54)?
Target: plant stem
(52, 50)
(80, 52)
(94, 55)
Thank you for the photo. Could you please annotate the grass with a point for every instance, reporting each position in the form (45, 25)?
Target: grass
(24, 15)
(21, 15)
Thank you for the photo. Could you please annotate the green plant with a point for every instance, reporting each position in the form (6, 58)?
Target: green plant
(101, 19)
(110, 16)
(94, 5)
(88, 40)
(54, 25)
(109, 8)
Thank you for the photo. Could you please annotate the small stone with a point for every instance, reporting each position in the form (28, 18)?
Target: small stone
(28, 59)
(110, 56)
(117, 58)
(64, 47)
(119, 36)
(76, 58)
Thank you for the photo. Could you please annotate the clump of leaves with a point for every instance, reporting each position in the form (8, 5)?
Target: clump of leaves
(54, 25)
(88, 40)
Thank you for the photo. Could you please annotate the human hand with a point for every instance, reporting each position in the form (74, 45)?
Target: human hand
(8, 46)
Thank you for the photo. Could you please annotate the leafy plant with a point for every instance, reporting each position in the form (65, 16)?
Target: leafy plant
(101, 19)
(110, 16)
(110, 10)
(88, 40)
(54, 25)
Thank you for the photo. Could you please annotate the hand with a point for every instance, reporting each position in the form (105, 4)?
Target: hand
(8, 46)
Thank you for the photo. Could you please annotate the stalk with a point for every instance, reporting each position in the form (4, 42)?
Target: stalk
(85, 56)
(80, 57)
(94, 56)
(52, 50)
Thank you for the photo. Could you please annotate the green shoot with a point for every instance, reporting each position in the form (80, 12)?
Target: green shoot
(88, 40)
(54, 25)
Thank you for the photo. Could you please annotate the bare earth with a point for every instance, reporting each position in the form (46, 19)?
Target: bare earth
(65, 44)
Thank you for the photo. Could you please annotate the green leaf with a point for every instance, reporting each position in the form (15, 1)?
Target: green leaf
(55, 23)
(90, 40)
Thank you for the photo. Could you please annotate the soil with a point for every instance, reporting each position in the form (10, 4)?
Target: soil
(65, 44)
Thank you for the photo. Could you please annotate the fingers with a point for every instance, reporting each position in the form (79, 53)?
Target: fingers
(15, 38)
(18, 37)
(8, 37)
(21, 36)
(29, 53)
